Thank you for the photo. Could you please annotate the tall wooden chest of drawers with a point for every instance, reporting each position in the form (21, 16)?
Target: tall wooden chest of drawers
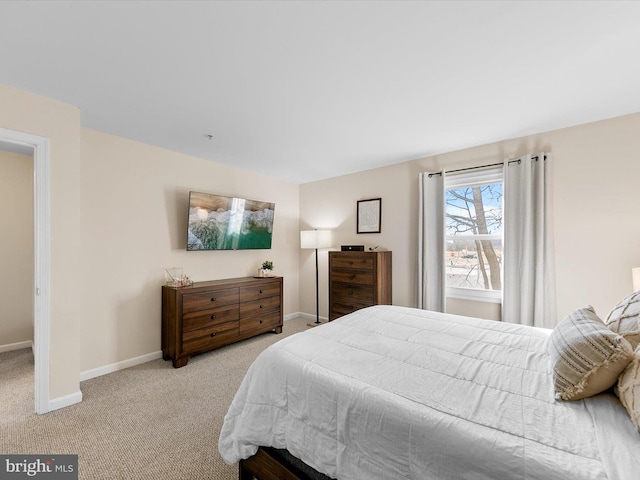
(358, 280)
(208, 315)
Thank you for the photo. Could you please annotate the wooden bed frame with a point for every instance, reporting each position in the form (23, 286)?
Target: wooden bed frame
(276, 464)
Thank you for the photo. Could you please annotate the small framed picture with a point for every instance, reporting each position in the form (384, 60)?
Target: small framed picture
(369, 215)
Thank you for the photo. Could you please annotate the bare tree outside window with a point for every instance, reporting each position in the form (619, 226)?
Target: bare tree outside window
(474, 236)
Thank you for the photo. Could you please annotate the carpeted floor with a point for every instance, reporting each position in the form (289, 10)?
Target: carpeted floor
(146, 422)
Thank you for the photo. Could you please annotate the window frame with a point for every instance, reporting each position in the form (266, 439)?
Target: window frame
(469, 179)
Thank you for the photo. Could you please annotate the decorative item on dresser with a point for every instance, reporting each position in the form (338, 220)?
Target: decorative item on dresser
(358, 280)
(208, 315)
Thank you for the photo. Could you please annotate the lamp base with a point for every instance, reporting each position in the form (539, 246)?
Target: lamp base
(315, 324)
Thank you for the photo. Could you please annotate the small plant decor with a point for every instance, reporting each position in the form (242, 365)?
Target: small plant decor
(265, 269)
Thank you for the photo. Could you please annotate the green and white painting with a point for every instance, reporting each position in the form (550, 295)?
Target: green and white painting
(217, 222)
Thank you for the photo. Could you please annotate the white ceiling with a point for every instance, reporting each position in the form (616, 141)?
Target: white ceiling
(309, 90)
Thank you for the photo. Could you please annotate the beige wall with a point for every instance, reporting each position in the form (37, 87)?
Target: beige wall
(24, 112)
(16, 248)
(134, 206)
(596, 171)
(331, 204)
(118, 219)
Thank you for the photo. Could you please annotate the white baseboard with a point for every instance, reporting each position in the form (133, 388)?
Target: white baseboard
(114, 367)
(65, 401)
(16, 346)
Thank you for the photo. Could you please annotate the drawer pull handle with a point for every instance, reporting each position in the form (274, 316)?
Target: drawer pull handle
(260, 290)
(352, 276)
(260, 306)
(350, 263)
(260, 320)
(213, 299)
(350, 292)
(213, 334)
(213, 317)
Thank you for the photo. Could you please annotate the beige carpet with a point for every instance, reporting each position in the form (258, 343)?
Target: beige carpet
(146, 422)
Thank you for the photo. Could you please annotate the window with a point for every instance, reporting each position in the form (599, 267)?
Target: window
(473, 236)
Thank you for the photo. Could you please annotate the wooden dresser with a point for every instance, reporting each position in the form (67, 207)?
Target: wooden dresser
(208, 315)
(358, 280)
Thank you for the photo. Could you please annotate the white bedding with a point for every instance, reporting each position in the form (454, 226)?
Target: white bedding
(398, 393)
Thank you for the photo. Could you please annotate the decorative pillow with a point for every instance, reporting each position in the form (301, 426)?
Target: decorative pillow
(586, 357)
(625, 318)
(628, 388)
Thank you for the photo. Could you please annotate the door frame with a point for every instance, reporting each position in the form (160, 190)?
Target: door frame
(42, 260)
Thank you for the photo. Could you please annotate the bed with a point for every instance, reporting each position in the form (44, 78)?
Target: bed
(399, 393)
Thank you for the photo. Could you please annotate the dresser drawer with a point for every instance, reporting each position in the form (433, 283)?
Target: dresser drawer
(269, 289)
(356, 261)
(194, 302)
(258, 307)
(340, 308)
(210, 337)
(352, 293)
(260, 322)
(352, 277)
(205, 318)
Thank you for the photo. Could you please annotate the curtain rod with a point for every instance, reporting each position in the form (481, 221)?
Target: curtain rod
(484, 166)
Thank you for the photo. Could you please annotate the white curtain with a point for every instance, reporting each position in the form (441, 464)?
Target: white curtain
(431, 267)
(529, 271)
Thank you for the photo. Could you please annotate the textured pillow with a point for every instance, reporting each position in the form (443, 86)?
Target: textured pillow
(628, 388)
(625, 318)
(586, 357)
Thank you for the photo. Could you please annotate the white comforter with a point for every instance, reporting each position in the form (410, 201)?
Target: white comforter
(398, 393)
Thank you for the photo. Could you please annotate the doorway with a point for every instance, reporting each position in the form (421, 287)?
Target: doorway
(39, 146)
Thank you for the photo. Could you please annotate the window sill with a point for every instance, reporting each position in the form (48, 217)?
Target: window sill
(475, 295)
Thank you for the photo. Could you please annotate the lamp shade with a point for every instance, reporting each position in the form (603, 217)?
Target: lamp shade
(635, 272)
(315, 238)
